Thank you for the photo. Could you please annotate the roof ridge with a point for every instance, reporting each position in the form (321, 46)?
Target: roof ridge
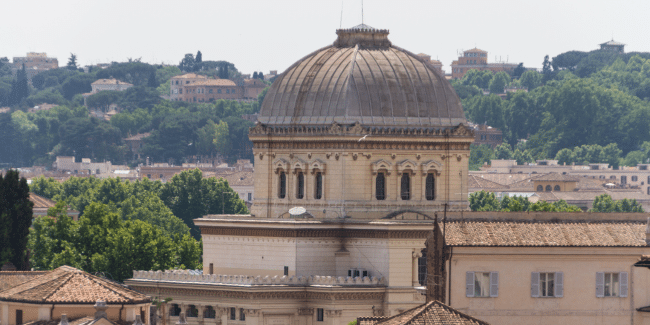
(103, 284)
(70, 275)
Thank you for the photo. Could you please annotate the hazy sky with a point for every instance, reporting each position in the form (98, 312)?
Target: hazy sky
(263, 35)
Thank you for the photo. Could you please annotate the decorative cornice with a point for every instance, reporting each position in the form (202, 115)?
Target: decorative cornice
(355, 145)
(256, 295)
(459, 131)
(320, 233)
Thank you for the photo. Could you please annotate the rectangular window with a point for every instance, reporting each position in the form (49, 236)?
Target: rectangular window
(286, 270)
(482, 284)
(211, 268)
(218, 91)
(635, 178)
(611, 284)
(320, 314)
(547, 284)
(242, 315)
(623, 179)
(233, 313)
(232, 91)
(210, 91)
(250, 197)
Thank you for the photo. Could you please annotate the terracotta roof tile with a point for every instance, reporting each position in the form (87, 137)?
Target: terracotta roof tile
(556, 177)
(527, 233)
(433, 312)
(69, 285)
(190, 76)
(502, 178)
(110, 82)
(41, 202)
(476, 181)
(213, 82)
(242, 178)
(10, 279)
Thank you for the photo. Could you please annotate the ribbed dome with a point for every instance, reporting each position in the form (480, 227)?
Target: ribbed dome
(362, 78)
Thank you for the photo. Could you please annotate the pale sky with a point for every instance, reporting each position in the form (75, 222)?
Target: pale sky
(263, 35)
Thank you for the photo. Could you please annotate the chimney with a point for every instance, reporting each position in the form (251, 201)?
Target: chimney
(100, 307)
(138, 320)
(64, 320)
(647, 232)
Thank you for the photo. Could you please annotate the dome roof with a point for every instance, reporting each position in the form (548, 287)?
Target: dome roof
(362, 78)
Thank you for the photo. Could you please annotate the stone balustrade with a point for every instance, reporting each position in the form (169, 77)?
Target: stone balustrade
(314, 280)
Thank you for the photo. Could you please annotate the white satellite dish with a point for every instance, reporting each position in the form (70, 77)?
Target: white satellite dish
(296, 211)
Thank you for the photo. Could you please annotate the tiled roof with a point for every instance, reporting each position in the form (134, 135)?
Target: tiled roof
(41, 202)
(240, 178)
(88, 320)
(612, 43)
(529, 233)
(10, 279)
(556, 177)
(502, 178)
(190, 76)
(214, 82)
(434, 313)
(475, 181)
(69, 285)
(110, 82)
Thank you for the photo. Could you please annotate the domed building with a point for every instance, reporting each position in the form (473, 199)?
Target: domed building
(360, 129)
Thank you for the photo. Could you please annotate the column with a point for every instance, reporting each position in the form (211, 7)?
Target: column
(333, 317)
(414, 277)
(223, 311)
(5, 313)
(200, 308)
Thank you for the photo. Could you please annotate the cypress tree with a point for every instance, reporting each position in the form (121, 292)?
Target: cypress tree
(255, 75)
(260, 76)
(15, 219)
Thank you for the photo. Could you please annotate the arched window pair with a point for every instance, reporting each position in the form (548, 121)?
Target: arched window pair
(300, 185)
(405, 187)
(556, 188)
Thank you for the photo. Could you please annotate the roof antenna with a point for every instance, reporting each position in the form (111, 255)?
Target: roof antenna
(341, 23)
(361, 12)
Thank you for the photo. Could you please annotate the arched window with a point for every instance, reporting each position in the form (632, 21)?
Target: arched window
(300, 186)
(556, 188)
(209, 312)
(318, 183)
(422, 268)
(548, 188)
(192, 311)
(405, 190)
(380, 187)
(174, 310)
(282, 190)
(430, 187)
(540, 188)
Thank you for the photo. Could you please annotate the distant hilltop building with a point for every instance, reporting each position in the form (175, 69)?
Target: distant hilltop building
(192, 87)
(613, 46)
(106, 84)
(477, 59)
(35, 63)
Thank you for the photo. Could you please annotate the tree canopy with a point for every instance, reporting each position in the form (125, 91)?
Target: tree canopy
(15, 219)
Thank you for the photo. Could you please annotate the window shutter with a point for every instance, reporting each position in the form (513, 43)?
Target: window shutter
(600, 284)
(623, 278)
(469, 284)
(534, 284)
(494, 284)
(559, 284)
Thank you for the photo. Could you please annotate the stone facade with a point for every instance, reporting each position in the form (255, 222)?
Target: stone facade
(35, 63)
(477, 59)
(191, 87)
(83, 167)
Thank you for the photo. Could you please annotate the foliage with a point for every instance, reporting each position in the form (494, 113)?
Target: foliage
(187, 63)
(139, 200)
(605, 203)
(103, 242)
(135, 73)
(479, 155)
(499, 83)
(531, 79)
(587, 154)
(487, 201)
(190, 196)
(72, 62)
(221, 137)
(503, 151)
(15, 219)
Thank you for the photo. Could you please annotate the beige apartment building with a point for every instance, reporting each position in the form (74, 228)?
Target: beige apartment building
(35, 63)
(192, 87)
(477, 59)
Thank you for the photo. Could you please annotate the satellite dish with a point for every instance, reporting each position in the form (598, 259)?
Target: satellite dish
(296, 211)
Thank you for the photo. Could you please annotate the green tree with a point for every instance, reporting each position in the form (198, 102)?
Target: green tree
(222, 138)
(188, 63)
(479, 155)
(503, 151)
(478, 78)
(546, 69)
(103, 99)
(15, 219)
(499, 83)
(531, 79)
(605, 203)
(484, 201)
(633, 158)
(519, 70)
(72, 62)
(190, 196)
(522, 157)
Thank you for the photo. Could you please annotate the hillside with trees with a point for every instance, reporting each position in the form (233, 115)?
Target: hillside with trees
(178, 129)
(583, 107)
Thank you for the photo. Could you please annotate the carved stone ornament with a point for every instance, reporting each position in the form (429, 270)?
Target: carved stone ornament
(305, 311)
(357, 129)
(317, 165)
(462, 130)
(335, 128)
(333, 313)
(381, 164)
(407, 165)
(258, 129)
(252, 312)
(281, 164)
(377, 312)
